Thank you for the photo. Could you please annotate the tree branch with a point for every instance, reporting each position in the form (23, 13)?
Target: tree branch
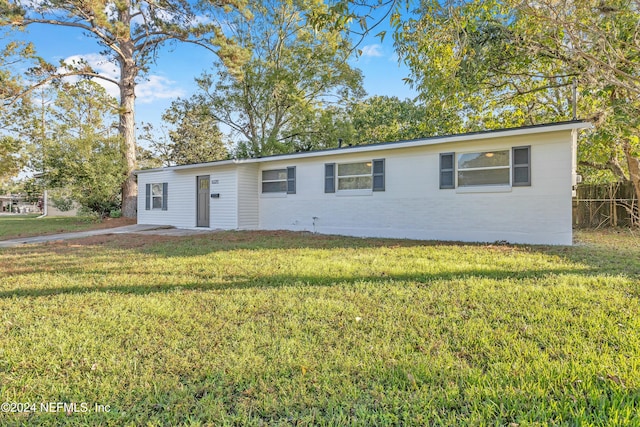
(53, 77)
(611, 166)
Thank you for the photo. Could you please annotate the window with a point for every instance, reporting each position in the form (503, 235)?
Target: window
(484, 168)
(329, 177)
(521, 166)
(502, 168)
(156, 196)
(378, 175)
(279, 180)
(447, 178)
(355, 176)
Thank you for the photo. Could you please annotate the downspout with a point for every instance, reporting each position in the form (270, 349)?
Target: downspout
(574, 162)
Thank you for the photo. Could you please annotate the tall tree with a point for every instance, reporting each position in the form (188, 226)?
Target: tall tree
(13, 147)
(131, 32)
(84, 150)
(13, 158)
(387, 118)
(293, 73)
(196, 137)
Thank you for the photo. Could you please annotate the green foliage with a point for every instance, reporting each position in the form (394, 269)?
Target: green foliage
(131, 33)
(31, 188)
(293, 74)
(237, 328)
(468, 56)
(85, 155)
(196, 137)
(13, 157)
(151, 158)
(11, 54)
(504, 63)
(384, 119)
(62, 203)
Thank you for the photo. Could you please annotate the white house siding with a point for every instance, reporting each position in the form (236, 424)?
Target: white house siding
(248, 193)
(413, 205)
(181, 199)
(224, 210)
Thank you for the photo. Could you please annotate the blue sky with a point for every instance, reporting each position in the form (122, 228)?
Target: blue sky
(172, 76)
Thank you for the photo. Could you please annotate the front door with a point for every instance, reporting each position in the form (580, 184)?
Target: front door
(203, 201)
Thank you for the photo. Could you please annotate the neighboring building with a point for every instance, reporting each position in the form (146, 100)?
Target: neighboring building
(510, 185)
(17, 204)
(58, 202)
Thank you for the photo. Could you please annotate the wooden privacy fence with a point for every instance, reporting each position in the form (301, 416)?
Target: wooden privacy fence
(605, 205)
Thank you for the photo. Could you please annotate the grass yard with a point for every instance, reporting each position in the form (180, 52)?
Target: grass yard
(275, 328)
(16, 226)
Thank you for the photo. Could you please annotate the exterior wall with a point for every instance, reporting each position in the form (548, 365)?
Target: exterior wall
(248, 193)
(181, 199)
(224, 210)
(52, 210)
(413, 206)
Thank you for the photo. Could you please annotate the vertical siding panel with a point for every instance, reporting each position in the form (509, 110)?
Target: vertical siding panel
(248, 195)
(224, 210)
(181, 193)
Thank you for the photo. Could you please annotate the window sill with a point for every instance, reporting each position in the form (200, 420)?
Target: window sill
(484, 189)
(348, 193)
(273, 195)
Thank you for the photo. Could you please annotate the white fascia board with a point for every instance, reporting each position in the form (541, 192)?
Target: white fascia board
(389, 145)
(424, 142)
(193, 166)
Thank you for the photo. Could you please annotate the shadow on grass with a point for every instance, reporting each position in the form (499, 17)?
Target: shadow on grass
(282, 281)
(587, 261)
(610, 260)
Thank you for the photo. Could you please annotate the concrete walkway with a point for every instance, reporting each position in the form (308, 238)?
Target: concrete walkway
(136, 229)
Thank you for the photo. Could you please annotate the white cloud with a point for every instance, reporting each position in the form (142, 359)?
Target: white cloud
(156, 87)
(372, 50)
(148, 90)
(100, 65)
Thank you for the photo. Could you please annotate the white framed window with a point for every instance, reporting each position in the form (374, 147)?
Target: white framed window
(279, 180)
(485, 168)
(496, 170)
(156, 196)
(353, 178)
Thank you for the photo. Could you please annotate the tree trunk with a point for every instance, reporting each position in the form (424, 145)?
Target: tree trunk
(128, 72)
(634, 175)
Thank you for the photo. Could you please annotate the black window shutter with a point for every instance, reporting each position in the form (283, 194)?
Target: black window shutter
(521, 169)
(147, 189)
(291, 180)
(447, 170)
(165, 186)
(378, 175)
(329, 177)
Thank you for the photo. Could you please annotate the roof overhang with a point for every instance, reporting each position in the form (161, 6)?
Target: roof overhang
(445, 139)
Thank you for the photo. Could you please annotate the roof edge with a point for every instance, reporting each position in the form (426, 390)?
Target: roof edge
(433, 140)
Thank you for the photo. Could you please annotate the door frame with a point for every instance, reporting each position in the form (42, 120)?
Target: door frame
(208, 203)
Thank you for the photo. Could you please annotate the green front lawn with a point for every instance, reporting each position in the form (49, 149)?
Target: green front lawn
(239, 328)
(17, 226)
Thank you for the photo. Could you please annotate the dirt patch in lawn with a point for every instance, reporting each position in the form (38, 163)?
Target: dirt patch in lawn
(114, 222)
(124, 241)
